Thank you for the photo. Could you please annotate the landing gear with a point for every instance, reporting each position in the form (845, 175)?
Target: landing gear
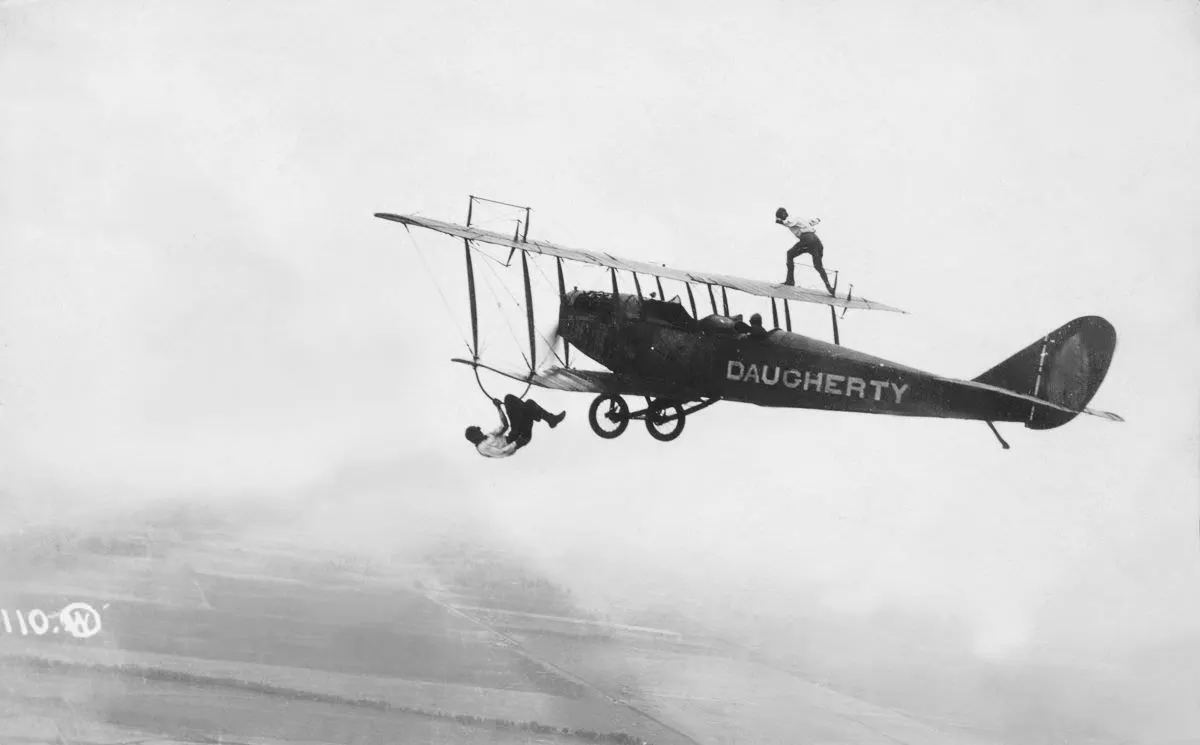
(663, 425)
(609, 416)
(613, 421)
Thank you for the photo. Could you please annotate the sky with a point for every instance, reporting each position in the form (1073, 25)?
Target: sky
(197, 304)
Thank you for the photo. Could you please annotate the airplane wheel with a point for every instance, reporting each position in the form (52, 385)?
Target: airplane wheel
(613, 421)
(667, 430)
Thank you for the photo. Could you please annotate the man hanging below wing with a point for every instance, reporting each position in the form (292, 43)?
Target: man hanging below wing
(518, 424)
(809, 243)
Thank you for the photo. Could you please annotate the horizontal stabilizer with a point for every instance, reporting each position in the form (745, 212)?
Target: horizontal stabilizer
(1045, 408)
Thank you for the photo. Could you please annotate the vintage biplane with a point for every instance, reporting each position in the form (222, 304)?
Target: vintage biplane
(681, 362)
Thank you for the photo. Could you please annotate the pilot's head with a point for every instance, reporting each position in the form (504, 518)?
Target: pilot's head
(756, 320)
(475, 435)
(780, 214)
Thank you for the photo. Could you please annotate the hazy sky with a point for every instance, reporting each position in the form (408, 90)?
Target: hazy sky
(196, 299)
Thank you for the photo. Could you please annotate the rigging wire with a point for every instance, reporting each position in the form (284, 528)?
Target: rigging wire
(475, 353)
(499, 307)
(491, 258)
(450, 312)
(517, 303)
(475, 356)
(434, 282)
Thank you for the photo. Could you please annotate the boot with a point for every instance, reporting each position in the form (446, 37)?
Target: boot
(554, 420)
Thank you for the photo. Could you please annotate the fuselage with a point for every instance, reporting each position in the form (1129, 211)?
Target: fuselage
(662, 344)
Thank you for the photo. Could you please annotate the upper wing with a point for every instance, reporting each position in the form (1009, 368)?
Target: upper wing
(600, 258)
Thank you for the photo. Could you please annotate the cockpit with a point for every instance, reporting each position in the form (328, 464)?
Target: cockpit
(589, 301)
(600, 304)
(734, 325)
(672, 314)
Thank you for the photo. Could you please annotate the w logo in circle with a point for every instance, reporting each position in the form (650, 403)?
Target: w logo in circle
(80, 620)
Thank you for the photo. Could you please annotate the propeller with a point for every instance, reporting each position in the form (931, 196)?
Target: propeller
(552, 341)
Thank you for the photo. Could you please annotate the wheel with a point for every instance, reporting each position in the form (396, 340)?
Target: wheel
(663, 428)
(613, 421)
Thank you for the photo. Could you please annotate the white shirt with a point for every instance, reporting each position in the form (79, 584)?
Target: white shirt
(800, 227)
(496, 445)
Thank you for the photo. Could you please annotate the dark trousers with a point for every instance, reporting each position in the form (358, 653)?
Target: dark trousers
(521, 417)
(809, 243)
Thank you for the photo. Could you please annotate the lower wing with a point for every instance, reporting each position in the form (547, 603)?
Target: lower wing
(585, 381)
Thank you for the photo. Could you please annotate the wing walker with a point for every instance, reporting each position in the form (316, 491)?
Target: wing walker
(681, 362)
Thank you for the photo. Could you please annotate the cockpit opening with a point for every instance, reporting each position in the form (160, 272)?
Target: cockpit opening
(667, 312)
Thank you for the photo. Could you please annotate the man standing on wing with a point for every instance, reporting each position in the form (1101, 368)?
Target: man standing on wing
(809, 243)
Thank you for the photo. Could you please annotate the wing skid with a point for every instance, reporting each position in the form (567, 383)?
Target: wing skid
(600, 258)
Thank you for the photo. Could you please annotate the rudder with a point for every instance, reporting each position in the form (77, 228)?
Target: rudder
(1065, 367)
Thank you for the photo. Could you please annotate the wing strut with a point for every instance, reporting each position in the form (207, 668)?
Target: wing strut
(787, 314)
(616, 296)
(529, 312)
(833, 314)
(774, 313)
(562, 294)
(712, 299)
(471, 290)
(692, 301)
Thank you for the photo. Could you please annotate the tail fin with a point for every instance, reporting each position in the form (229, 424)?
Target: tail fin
(1065, 367)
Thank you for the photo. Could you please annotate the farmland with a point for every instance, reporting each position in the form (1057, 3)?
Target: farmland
(213, 634)
(194, 638)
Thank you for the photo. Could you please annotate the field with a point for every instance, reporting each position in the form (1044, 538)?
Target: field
(210, 636)
(109, 706)
(198, 638)
(730, 699)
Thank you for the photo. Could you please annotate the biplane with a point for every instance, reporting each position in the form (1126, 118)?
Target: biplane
(681, 362)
